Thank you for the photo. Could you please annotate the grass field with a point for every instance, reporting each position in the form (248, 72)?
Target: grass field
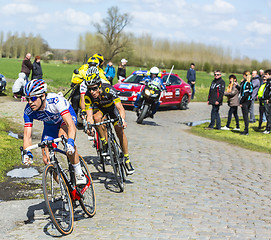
(58, 76)
(255, 141)
(8, 147)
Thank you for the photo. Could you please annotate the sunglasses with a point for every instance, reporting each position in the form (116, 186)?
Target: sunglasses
(217, 74)
(33, 99)
(93, 88)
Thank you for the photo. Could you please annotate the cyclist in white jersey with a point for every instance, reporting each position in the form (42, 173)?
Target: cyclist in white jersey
(59, 119)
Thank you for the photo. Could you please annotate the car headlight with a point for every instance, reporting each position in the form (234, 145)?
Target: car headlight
(147, 92)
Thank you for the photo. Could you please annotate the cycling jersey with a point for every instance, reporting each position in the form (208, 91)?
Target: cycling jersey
(55, 107)
(108, 95)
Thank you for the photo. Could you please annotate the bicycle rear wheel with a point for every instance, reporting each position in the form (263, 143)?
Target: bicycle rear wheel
(58, 200)
(88, 202)
(115, 162)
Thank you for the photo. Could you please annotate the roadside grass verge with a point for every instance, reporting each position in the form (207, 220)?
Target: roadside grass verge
(9, 149)
(255, 141)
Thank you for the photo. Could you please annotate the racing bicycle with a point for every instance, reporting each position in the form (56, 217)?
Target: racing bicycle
(114, 151)
(97, 144)
(60, 192)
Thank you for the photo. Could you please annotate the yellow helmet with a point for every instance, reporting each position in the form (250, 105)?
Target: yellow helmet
(93, 61)
(100, 58)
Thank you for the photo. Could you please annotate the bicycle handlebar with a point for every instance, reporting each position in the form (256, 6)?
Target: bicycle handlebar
(103, 122)
(46, 143)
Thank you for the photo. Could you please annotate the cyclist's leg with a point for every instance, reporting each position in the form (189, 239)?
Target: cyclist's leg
(97, 117)
(74, 159)
(122, 138)
(124, 145)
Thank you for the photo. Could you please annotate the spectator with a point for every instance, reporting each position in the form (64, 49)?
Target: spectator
(121, 74)
(110, 72)
(27, 65)
(261, 75)
(191, 78)
(261, 102)
(18, 87)
(245, 98)
(36, 69)
(233, 102)
(255, 81)
(215, 99)
(267, 99)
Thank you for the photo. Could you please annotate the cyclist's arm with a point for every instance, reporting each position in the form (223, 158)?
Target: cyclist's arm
(27, 137)
(121, 110)
(82, 101)
(67, 118)
(89, 112)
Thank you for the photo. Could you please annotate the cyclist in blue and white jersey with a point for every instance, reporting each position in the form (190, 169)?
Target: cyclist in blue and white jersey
(59, 119)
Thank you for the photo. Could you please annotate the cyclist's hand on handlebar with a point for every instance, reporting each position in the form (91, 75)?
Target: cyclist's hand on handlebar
(70, 146)
(27, 157)
(83, 114)
(122, 123)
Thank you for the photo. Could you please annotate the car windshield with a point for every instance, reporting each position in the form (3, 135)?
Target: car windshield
(134, 78)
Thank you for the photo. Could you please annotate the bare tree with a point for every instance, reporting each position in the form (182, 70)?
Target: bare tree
(115, 40)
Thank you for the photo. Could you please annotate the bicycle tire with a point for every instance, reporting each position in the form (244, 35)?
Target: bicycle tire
(99, 152)
(143, 114)
(88, 202)
(115, 162)
(58, 200)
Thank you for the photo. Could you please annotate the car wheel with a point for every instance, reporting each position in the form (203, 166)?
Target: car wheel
(184, 103)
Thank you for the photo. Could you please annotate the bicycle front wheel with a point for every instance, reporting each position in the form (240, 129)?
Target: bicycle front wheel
(58, 200)
(115, 162)
(88, 202)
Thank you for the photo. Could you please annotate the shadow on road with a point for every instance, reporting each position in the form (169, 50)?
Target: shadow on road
(106, 178)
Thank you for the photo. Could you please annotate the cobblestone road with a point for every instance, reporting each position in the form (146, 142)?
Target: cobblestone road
(184, 187)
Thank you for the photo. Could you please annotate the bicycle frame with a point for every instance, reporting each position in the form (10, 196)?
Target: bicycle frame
(52, 146)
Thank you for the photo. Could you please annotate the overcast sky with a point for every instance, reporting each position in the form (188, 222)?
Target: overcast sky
(244, 26)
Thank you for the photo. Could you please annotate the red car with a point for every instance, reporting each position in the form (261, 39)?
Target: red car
(178, 92)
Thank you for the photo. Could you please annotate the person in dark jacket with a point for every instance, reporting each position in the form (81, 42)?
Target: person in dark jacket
(255, 81)
(215, 99)
(121, 73)
(36, 69)
(27, 65)
(246, 90)
(267, 100)
(191, 78)
(110, 72)
(233, 102)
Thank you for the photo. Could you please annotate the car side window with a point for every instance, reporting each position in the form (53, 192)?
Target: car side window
(174, 80)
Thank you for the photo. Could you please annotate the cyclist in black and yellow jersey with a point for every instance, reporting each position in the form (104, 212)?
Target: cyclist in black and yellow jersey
(92, 62)
(102, 98)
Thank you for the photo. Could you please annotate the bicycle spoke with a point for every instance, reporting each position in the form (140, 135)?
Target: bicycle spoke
(58, 200)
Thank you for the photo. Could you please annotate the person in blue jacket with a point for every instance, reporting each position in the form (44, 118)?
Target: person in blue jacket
(154, 71)
(110, 72)
(191, 78)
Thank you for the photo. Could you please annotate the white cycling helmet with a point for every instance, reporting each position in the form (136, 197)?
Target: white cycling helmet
(154, 70)
(35, 87)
